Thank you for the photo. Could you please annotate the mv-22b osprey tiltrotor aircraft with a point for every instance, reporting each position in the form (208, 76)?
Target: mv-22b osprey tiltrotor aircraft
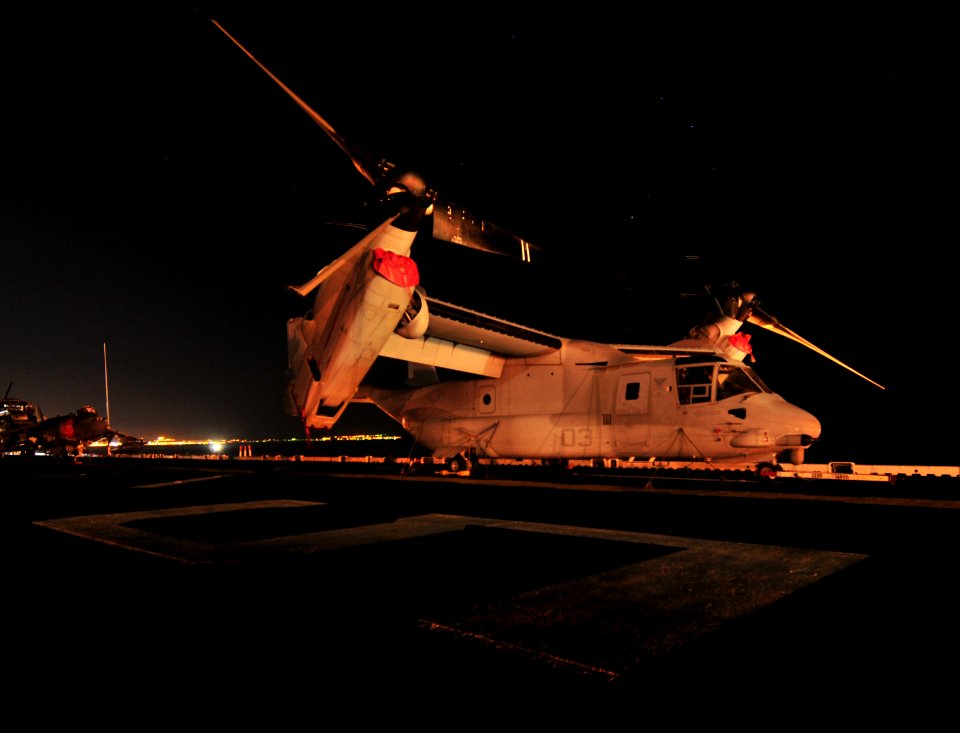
(528, 394)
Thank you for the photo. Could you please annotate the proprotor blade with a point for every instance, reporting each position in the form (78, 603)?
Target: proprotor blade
(371, 171)
(765, 320)
(450, 223)
(457, 225)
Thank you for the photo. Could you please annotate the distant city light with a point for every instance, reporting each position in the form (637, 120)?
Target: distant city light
(217, 444)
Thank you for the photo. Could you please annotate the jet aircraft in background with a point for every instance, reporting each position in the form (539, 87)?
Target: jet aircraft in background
(62, 436)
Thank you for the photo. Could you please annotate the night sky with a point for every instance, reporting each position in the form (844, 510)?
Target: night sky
(158, 193)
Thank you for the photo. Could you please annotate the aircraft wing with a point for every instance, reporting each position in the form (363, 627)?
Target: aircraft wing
(649, 353)
(123, 443)
(469, 341)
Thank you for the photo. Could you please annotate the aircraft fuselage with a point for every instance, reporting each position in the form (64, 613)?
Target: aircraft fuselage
(593, 401)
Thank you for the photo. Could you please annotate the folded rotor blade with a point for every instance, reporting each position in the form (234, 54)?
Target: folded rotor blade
(765, 320)
(373, 172)
(457, 225)
(450, 223)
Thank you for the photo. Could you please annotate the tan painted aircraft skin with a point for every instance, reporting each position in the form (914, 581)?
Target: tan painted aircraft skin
(523, 393)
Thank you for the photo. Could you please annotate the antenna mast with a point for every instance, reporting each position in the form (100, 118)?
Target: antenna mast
(106, 382)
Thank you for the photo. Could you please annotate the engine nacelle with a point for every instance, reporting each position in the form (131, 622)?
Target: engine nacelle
(415, 319)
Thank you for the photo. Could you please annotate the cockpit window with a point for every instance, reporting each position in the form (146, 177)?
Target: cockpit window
(735, 380)
(695, 384)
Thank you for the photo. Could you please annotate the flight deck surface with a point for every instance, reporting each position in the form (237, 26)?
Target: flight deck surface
(289, 578)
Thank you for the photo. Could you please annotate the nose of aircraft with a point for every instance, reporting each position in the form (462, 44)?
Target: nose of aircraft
(790, 424)
(794, 421)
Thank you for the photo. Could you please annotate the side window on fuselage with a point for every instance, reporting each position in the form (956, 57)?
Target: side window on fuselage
(694, 384)
(633, 394)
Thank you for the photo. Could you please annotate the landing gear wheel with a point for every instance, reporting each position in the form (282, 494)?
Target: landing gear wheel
(768, 471)
(457, 463)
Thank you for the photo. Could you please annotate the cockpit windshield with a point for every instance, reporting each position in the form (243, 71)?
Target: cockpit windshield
(735, 379)
(700, 383)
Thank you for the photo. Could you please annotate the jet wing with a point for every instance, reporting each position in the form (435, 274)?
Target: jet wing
(123, 443)
(469, 341)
